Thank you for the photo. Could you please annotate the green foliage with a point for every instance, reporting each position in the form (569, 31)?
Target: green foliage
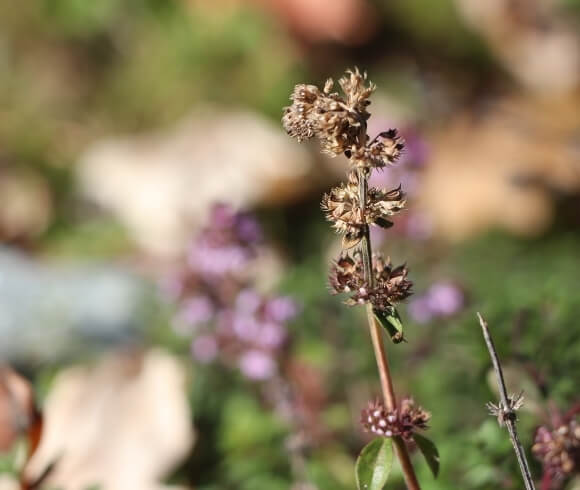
(374, 464)
(429, 451)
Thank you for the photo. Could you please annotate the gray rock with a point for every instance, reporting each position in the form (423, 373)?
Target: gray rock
(50, 312)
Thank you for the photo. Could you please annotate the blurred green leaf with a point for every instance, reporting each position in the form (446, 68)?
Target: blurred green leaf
(430, 452)
(374, 464)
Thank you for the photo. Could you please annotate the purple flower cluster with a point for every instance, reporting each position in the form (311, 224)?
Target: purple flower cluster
(441, 300)
(226, 246)
(558, 448)
(228, 319)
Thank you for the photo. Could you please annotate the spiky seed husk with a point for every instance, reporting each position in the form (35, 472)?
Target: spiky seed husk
(391, 284)
(404, 421)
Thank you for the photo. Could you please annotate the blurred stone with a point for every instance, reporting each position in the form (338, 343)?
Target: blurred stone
(161, 186)
(532, 39)
(503, 168)
(121, 424)
(48, 312)
(8, 482)
(26, 207)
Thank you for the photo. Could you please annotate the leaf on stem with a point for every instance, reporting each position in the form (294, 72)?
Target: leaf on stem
(429, 450)
(374, 464)
(391, 322)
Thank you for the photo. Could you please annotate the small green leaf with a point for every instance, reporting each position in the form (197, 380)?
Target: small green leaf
(374, 464)
(391, 322)
(429, 450)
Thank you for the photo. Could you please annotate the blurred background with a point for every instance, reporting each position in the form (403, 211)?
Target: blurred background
(164, 316)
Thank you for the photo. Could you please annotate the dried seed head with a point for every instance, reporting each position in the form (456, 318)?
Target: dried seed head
(357, 94)
(299, 119)
(382, 203)
(341, 207)
(346, 275)
(559, 451)
(338, 122)
(391, 284)
(515, 402)
(403, 421)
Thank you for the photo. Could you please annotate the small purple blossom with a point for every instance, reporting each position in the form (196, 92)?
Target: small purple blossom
(248, 301)
(257, 365)
(196, 310)
(281, 309)
(204, 348)
(222, 216)
(214, 262)
(248, 228)
(442, 299)
(445, 298)
(272, 335)
(246, 327)
(231, 321)
(419, 310)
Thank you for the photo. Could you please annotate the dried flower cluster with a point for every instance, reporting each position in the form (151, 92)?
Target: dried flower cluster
(390, 284)
(339, 122)
(341, 206)
(406, 419)
(559, 452)
(228, 319)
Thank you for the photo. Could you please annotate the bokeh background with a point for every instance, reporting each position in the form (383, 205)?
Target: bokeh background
(133, 359)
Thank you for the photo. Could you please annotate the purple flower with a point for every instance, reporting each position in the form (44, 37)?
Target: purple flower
(416, 149)
(248, 301)
(248, 229)
(419, 310)
(214, 262)
(204, 348)
(196, 310)
(445, 298)
(281, 309)
(246, 327)
(272, 335)
(257, 365)
(222, 216)
(441, 299)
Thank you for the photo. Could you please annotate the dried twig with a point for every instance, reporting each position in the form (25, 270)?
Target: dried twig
(505, 410)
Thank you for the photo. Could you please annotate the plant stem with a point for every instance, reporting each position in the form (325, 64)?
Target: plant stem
(507, 415)
(378, 345)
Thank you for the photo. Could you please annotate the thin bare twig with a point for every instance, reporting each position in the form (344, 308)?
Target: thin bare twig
(505, 410)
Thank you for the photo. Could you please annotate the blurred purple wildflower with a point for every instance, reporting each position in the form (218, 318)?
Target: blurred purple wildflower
(442, 299)
(204, 348)
(196, 310)
(257, 365)
(281, 309)
(248, 301)
(232, 322)
(226, 245)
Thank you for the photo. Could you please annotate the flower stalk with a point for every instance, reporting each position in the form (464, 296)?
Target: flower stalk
(339, 122)
(379, 347)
